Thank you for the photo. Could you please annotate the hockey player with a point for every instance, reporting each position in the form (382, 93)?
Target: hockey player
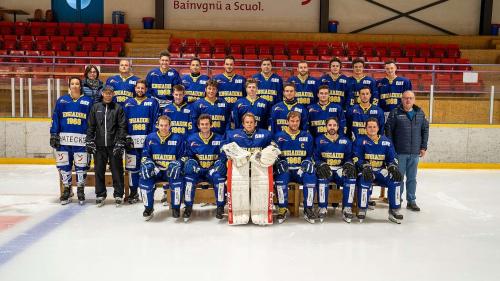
(333, 159)
(358, 81)
(295, 164)
(269, 84)
(195, 82)
(231, 85)
(179, 112)
(67, 137)
(161, 80)
(306, 86)
(141, 113)
(391, 88)
(280, 111)
(251, 103)
(123, 83)
(357, 115)
(319, 112)
(337, 84)
(375, 157)
(161, 161)
(214, 106)
(204, 161)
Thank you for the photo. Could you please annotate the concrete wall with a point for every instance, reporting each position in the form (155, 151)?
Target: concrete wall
(447, 144)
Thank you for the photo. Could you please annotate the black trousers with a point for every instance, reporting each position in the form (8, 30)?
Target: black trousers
(103, 156)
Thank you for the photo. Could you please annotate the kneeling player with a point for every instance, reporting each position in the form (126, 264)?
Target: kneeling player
(295, 164)
(376, 159)
(333, 158)
(204, 161)
(161, 161)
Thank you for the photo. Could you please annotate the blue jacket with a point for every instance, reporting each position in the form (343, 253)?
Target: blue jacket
(408, 136)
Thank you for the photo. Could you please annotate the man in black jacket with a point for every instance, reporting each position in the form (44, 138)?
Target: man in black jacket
(408, 129)
(106, 134)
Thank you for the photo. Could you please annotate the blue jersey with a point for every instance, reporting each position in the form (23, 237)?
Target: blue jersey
(269, 88)
(141, 118)
(295, 148)
(255, 141)
(69, 119)
(218, 110)
(204, 151)
(356, 117)
(279, 113)
(230, 88)
(162, 151)
(195, 86)
(334, 152)
(160, 84)
(124, 88)
(356, 85)
(182, 122)
(378, 154)
(391, 91)
(338, 89)
(307, 90)
(259, 107)
(318, 115)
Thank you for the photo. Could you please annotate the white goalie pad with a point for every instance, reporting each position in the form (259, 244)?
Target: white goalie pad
(238, 193)
(261, 183)
(236, 153)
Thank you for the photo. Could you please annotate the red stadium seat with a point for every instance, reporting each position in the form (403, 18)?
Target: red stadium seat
(50, 28)
(419, 60)
(395, 50)
(26, 42)
(81, 54)
(371, 64)
(402, 63)
(205, 56)
(64, 28)
(433, 61)
(308, 49)
(110, 55)
(117, 44)
(94, 29)
(10, 42)
(33, 55)
(102, 44)
(94, 56)
(293, 49)
(122, 30)
(463, 64)
(36, 28)
(279, 49)
(6, 28)
(72, 43)
(79, 29)
(438, 50)
(424, 50)
(21, 27)
(87, 43)
(413, 77)
(280, 57)
(453, 51)
(47, 54)
(108, 30)
(64, 60)
(18, 56)
(42, 43)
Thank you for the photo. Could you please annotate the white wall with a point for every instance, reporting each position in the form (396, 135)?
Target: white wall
(495, 17)
(458, 16)
(134, 10)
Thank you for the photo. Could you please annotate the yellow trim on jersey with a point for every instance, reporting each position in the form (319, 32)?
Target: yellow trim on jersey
(125, 79)
(333, 76)
(163, 139)
(139, 101)
(206, 140)
(230, 78)
(293, 136)
(302, 80)
(332, 139)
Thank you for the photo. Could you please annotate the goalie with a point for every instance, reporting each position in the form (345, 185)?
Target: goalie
(252, 154)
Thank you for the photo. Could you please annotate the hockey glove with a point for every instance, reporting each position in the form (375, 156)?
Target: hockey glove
(307, 166)
(367, 173)
(55, 141)
(148, 169)
(90, 147)
(219, 167)
(174, 170)
(394, 172)
(129, 143)
(282, 166)
(237, 154)
(266, 157)
(191, 167)
(348, 170)
(323, 171)
(118, 149)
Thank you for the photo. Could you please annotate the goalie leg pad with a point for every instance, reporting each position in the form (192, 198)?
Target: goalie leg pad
(238, 193)
(261, 183)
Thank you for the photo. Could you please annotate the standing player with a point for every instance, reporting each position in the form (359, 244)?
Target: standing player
(375, 157)
(254, 104)
(216, 107)
(337, 84)
(67, 137)
(141, 114)
(295, 164)
(306, 86)
(161, 161)
(280, 111)
(333, 159)
(359, 81)
(391, 88)
(231, 85)
(357, 115)
(179, 112)
(269, 84)
(194, 82)
(123, 83)
(204, 161)
(321, 111)
(161, 80)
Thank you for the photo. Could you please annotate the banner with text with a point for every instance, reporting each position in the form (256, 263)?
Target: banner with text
(244, 15)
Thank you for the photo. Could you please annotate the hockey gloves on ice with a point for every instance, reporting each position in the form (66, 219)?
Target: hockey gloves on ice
(307, 166)
(191, 167)
(323, 171)
(174, 170)
(129, 143)
(55, 141)
(90, 147)
(395, 173)
(367, 173)
(118, 149)
(348, 170)
(282, 166)
(148, 169)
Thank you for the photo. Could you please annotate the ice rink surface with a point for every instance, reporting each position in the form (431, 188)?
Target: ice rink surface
(456, 236)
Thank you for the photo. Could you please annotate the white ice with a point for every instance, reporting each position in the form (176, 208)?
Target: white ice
(456, 236)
